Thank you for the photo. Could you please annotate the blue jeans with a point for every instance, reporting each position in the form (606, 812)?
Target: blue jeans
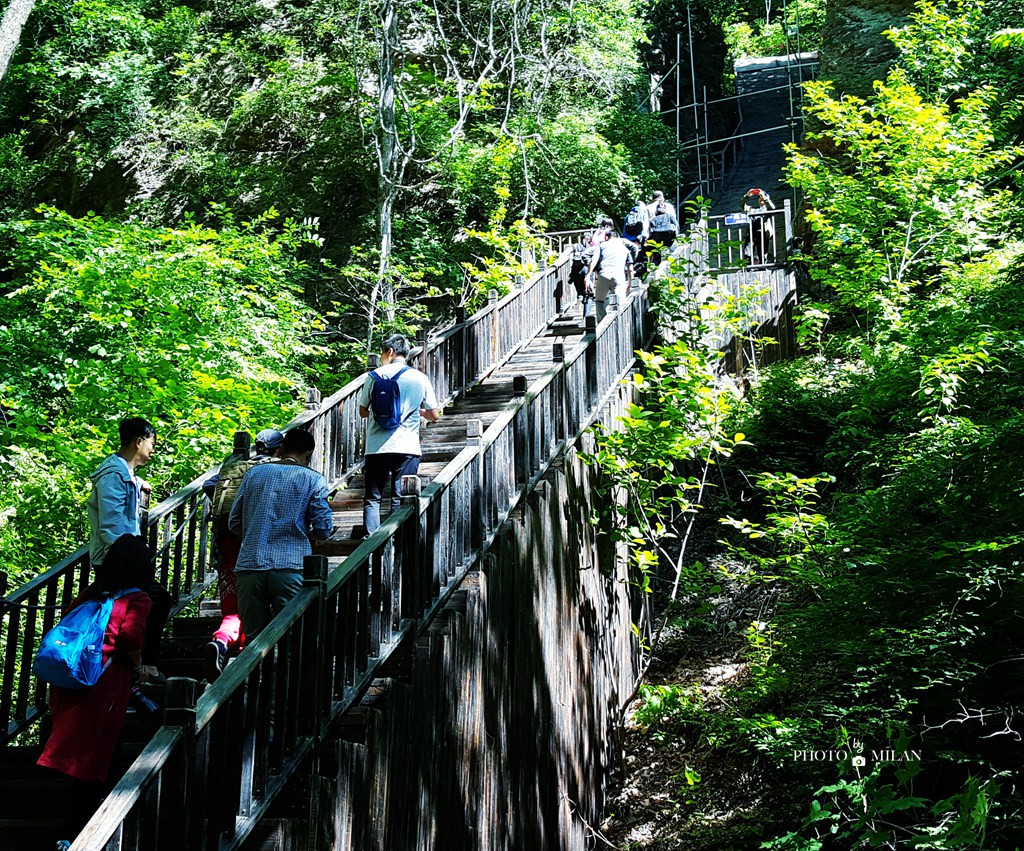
(376, 471)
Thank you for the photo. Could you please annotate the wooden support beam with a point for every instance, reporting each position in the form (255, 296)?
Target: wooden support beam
(412, 551)
(180, 711)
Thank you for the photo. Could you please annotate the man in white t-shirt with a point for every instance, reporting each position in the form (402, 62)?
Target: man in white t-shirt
(394, 452)
(613, 265)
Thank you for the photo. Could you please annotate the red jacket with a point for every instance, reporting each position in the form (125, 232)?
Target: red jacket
(87, 722)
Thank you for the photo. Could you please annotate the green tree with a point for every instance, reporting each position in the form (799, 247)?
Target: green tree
(895, 189)
(190, 327)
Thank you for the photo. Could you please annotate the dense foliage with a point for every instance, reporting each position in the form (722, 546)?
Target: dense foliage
(193, 197)
(198, 328)
(870, 491)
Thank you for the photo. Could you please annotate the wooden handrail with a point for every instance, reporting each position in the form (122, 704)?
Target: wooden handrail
(393, 584)
(178, 527)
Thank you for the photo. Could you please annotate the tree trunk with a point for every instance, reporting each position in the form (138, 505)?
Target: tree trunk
(391, 162)
(10, 32)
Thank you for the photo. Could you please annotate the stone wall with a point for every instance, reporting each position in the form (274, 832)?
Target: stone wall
(854, 52)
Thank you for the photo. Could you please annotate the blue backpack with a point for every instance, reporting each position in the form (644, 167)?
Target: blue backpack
(386, 401)
(634, 223)
(71, 654)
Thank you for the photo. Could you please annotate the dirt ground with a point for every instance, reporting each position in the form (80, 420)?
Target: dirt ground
(680, 792)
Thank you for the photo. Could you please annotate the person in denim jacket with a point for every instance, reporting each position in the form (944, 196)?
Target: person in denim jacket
(115, 503)
(115, 510)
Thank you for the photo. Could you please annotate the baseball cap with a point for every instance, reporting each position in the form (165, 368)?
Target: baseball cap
(270, 438)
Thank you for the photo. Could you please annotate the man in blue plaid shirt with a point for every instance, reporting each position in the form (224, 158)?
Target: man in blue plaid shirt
(280, 509)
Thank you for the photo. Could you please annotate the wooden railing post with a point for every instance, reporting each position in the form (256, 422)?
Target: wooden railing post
(242, 444)
(788, 214)
(478, 500)
(316, 428)
(372, 362)
(492, 300)
(590, 358)
(460, 354)
(182, 824)
(315, 640)
(561, 398)
(424, 365)
(412, 549)
(521, 434)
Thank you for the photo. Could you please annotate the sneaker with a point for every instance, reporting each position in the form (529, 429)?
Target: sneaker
(214, 654)
(62, 845)
(152, 676)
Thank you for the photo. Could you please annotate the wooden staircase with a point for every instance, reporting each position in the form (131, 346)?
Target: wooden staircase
(227, 771)
(33, 799)
(443, 440)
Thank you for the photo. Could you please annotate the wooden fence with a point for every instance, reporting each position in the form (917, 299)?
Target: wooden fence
(210, 773)
(178, 528)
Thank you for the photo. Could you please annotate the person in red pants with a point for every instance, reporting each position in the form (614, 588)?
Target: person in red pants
(230, 632)
(87, 722)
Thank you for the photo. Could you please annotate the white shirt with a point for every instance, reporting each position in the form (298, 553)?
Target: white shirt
(414, 392)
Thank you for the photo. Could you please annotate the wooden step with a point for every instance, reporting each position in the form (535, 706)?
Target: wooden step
(32, 794)
(31, 834)
(18, 756)
(185, 627)
(339, 546)
(189, 666)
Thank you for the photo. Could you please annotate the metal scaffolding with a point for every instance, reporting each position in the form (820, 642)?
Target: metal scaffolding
(714, 156)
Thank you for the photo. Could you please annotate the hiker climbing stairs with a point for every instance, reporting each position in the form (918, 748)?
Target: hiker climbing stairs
(229, 767)
(442, 441)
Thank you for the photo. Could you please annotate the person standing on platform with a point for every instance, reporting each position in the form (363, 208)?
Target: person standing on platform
(760, 237)
(279, 511)
(115, 509)
(394, 399)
